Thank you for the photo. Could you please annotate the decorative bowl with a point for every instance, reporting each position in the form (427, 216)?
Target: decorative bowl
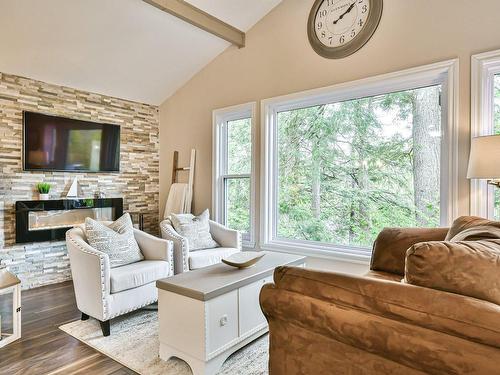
(243, 259)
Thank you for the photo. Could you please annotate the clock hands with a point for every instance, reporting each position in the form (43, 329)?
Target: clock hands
(343, 14)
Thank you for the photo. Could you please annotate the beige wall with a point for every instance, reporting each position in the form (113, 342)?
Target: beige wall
(279, 60)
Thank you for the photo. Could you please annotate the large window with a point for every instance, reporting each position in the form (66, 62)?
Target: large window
(348, 169)
(346, 162)
(485, 199)
(233, 191)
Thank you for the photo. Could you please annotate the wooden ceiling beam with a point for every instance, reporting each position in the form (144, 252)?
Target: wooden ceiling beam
(200, 19)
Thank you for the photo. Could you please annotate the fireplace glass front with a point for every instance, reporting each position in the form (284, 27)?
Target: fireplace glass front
(42, 220)
(49, 220)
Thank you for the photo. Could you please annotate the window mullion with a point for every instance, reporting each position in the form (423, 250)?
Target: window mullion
(228, 176)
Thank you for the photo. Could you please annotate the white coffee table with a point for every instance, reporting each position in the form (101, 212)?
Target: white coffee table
(207, 314)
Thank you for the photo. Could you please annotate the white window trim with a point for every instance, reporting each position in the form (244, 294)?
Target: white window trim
(484, 67)
(220, 118)
(444, 73)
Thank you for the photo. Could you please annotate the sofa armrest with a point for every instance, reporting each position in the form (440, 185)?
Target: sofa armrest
(90, 270)
(154, 248)
(389, 248)
(180, 246)
(449, 313)
(224, 236)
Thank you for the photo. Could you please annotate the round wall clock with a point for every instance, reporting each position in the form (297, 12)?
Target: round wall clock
(338, 28)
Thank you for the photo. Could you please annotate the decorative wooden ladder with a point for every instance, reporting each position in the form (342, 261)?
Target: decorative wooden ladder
(175, 171)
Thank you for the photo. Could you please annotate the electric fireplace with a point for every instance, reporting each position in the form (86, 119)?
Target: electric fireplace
(48, 220)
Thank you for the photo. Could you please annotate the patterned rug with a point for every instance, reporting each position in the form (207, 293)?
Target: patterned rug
(134, 343)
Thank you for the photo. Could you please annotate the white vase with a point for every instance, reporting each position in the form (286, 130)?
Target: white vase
(44, 197)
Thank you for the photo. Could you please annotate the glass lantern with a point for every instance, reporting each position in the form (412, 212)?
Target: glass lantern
(10, 307)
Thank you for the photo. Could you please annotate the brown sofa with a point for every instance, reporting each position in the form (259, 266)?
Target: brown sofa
(332, 323)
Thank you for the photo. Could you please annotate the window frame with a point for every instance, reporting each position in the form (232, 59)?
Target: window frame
(484, 67)
(220, 118)
(444, 73)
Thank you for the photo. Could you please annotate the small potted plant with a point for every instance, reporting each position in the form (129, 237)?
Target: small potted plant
(43, 190)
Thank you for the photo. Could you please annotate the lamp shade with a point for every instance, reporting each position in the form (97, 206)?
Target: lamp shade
(484, 159)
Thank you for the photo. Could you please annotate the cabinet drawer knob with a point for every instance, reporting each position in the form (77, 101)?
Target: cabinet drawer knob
(223, 321)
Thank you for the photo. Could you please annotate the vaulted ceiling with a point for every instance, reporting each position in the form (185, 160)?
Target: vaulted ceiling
(123, 48)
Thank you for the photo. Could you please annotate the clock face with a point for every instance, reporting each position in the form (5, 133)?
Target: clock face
(339, 21)
(338, 28)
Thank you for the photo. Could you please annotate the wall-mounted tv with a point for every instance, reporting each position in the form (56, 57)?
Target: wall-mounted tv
(61, 144)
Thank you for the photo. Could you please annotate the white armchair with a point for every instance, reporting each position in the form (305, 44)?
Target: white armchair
(185, 260)
(103, 292)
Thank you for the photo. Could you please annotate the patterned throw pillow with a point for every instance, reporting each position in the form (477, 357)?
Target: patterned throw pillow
(196, 229)
(115, 239)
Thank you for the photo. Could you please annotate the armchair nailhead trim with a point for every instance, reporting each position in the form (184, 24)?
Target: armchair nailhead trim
(171, 258)
(133, 308)
(180, 240)
(101, 263)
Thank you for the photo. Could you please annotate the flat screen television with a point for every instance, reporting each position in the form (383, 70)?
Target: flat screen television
(61, 144)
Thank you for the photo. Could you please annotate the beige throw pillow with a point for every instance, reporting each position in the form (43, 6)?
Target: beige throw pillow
(196, 229)
(115, 239)
(473, 228)
(470, 268)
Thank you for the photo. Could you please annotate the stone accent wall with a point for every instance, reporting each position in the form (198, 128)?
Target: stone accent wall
(137, 182)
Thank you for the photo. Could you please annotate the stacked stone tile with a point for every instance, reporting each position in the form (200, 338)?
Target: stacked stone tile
(137, 182)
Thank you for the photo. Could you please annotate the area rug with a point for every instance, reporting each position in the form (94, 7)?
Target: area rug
(134, 343)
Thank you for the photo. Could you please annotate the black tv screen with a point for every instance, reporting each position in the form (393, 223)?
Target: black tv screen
(61, 144)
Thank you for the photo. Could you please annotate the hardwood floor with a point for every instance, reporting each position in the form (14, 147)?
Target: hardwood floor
(44, 348)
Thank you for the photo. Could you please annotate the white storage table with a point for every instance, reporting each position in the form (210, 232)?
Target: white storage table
(207, 314)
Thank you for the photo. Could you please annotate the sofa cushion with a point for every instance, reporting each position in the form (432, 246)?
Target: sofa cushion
(470, 268)
(196, 229)
(115, 239)
(137, 274)
(204, 258)
(473, 228)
